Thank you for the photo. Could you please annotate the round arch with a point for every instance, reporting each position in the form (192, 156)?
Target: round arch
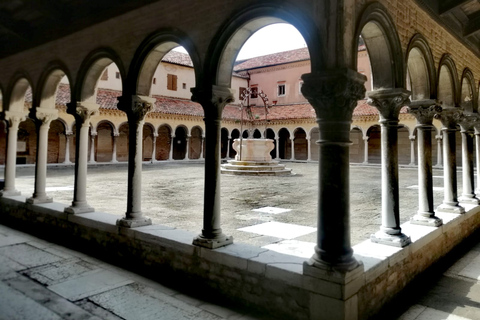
(164, 142)
(447, 82)
(180, 143)
(421, 69)
(468, 99)
(300, 144)
(49, 82)
(196, 144)
(379, 33)
(284, 144)
(15, 95)
(374, 144)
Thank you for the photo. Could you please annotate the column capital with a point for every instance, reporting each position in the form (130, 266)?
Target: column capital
(46, 115)
(424, 111)
(334, 93)
(450, 117)
(84, 110)
(15, 117)
(412, 137)
(389, 102)
(136, 107)
(469, 121)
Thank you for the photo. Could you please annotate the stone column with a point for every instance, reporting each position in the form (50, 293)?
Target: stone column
(333, 95)
(309, 150)
(82, 112)
(439, 151)
(201, 149)
(292, 144)
(44, 117)
(213, 100)
(67, 147)
(14, 118)
(93, 134)
(114, 151)
(365, 149)
(277, 148)
(136, 107)
(389, 102)
(412, 150)
(187, 151)
(170, 155)
(424, 111)
(477, 154)
(228, 147)
(450, 117)
(154, 149)
(466, 126)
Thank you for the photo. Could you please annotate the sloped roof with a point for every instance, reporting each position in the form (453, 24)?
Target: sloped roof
(273, 59)
(178, 58)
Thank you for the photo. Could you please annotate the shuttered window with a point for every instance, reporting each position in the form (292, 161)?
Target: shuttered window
(172, 82)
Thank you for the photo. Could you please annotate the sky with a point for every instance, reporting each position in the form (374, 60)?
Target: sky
(270, 39)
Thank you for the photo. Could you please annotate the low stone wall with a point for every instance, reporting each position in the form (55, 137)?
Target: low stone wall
(246, 275)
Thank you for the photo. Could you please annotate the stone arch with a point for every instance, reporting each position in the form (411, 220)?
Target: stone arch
(180, 143)
(105, 132)
(122, 142)
(421, 69)
(234, 32)
(150, 53)
(147, 138)
(374, 145)
(257, 134)
(49, 83)
(383, 46)
(357, 147)
(468, 97)
(270, 134)
(447, 82)
(16, 95)
(314, 137)
(223, 142)
(164, 142)
(26, 142)
(196, 142)
(56, 141)
(300, 144)
(284, 144)
(235, 135)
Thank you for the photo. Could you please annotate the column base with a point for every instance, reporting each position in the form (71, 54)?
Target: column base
(469, 199)
(450, 208)
(221, 241)
(10, 193)
(134, 223)
(396, 240)
(39, 200)
(430, 221)
(76, 209)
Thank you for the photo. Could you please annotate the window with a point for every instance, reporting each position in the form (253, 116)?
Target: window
(281, 90)
(154, 81)
(172, 82)
(240, 92)
(184, 85)
(254, 93)
(104, 75)
(117, 75)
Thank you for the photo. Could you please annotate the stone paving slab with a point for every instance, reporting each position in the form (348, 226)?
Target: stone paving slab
(28, 255)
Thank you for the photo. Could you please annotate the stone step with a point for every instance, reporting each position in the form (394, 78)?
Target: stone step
(258, 173)
(253, 168)
(253, 163)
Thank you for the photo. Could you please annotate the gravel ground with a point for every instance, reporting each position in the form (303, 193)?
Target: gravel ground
(173, 196)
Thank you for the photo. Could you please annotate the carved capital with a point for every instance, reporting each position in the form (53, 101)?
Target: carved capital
(469, 121)
(389, 102)
(425, 111)
(450, 117)
(46, 115)
(136, 107)
(85, 110)
(334, 94)
(14, 117)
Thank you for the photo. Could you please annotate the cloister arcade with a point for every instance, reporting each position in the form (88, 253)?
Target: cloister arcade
(433, 74)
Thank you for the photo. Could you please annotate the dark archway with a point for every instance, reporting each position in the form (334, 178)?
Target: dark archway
(164, 140)
(180, 144)
(300, 144)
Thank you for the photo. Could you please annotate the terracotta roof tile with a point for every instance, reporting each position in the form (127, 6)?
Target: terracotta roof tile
(273, 59)
(178, 58)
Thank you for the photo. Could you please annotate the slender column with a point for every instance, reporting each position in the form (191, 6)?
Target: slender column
(114, 151)
(67, 147)
(136, 108)
(439, 151)
(450, 117)
(477, 155)
(365, 149)
(154, 149)
(468, 194)
(14, 118)
(213, 100)
(187, 151)
(412, 150)
(170, 155)
(228, 147)
(44, 118)
(277, 148)
(201, 149)
(309, 150)
(389, 102)
(93, 134)
(292, 145)
(82, 112)
(333, 95)
(424, 111)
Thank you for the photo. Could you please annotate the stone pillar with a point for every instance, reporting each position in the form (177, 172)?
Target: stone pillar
(44, 117)
(201, 149)
(389, 102)
(333, 95)
(477, 155)
(82, 112)
(365, 149)
(213, 100)
(424, 111)
(14, 118)
(114, 151)
(154, 149)
(277, 148)
(228, 147)
(309, 150)
(136, 107)
(412, 150)
(93, 134)
(187, 151)
(439, 151)
(170, 155)
(292, 144)
(67, 147)
(468, 194)
(450, 117)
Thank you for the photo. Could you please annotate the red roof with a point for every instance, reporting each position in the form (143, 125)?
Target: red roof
(273, 59)
(178, 58)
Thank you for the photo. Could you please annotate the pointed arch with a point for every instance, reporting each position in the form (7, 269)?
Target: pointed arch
(49, 83)
(468, 98)
(447, 82)
(421, 69)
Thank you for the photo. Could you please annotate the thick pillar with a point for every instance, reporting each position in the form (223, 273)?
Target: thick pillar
(14, 118)
(93, 134)
(154, 148)
(450, 117)
(114, 147)
(187, 151)
(67, 147)
(170, 154)
(43, 119)
(468, 194)
(365, 149)
(333, 95)
(389, 102)
(412, 150)
(213, 100)
(136, 108)
(424, 111)
(439, 151)
(292, 145)
(82, 112)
